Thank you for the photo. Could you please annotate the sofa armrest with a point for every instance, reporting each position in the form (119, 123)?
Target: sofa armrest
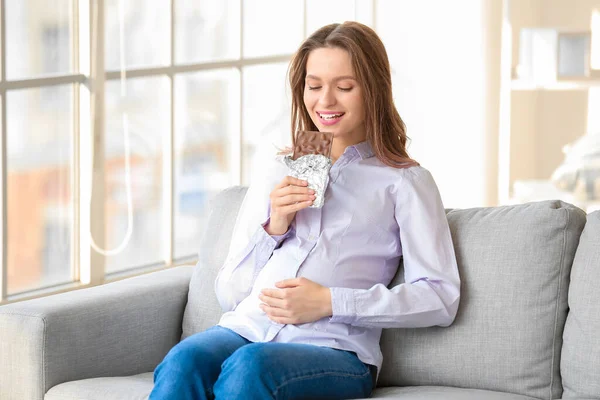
(121, 328)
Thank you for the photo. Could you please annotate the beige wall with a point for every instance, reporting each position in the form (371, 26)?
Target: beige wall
(523, 112)
(568, 14)
(543, 121)
(523, 14)
(561, 120)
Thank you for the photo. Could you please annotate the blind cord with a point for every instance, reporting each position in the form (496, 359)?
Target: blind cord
(125, 124)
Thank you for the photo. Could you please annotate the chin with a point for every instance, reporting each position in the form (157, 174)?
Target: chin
(331, 129)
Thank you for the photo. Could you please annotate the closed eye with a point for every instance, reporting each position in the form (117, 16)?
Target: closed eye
(319, 87)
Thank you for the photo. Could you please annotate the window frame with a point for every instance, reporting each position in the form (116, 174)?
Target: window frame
(88, 66)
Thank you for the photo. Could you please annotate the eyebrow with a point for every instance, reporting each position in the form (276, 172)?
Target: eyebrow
(339, 78)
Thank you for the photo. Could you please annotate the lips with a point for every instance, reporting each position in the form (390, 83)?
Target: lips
(330, 117)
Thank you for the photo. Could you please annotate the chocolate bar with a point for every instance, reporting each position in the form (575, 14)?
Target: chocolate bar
(312, 142)
(311, 161)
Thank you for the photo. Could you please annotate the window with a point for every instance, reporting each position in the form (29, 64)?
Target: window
(186, 95)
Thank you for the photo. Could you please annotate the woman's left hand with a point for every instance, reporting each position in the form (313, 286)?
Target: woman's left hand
(296, 301)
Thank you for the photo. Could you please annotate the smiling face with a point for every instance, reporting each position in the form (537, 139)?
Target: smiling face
(333, 96)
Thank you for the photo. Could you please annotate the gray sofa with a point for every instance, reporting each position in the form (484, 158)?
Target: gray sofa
(528, 325)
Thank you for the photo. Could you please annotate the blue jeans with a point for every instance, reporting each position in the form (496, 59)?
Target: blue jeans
(219, 363)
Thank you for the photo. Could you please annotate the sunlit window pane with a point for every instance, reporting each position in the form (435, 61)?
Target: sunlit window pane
(207, 126)
(144, 32)
(266, 114)
(38, 38)
(324, 12)
(280, 33)
(39, 146)
(207, 30)
(133, 203)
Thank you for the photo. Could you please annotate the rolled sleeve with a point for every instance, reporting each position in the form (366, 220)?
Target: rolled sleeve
(278, 239)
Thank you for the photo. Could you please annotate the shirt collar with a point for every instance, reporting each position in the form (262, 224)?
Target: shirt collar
(364, 149)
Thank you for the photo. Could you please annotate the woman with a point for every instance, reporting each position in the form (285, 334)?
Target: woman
(304, 290)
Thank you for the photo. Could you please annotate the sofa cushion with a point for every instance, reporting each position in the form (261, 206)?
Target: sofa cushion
(442, 393)
(580, 361)
(138, 387)
(135, 387)
(203, 310)
(514, 263)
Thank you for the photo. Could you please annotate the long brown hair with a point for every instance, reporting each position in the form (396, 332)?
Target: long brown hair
(385, 129)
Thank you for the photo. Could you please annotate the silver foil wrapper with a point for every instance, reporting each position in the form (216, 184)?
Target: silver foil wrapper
(313, 168)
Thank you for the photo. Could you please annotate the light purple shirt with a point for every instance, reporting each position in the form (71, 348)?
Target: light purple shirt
(373, 215)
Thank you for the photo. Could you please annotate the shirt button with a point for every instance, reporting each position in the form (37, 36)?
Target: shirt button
(311, 237)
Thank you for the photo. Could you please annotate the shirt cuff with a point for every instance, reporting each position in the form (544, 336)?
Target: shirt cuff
(343, 305)
(278, 238)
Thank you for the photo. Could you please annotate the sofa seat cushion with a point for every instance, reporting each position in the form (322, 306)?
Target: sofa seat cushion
(442, 393)
(135, 387)
(138, 387)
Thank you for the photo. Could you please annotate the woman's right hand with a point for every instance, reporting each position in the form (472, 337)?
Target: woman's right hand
(288, 197)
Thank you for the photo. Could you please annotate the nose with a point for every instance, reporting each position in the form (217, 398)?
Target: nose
(327, 97)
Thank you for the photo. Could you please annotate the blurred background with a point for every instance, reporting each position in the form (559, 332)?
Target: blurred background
(121, 119)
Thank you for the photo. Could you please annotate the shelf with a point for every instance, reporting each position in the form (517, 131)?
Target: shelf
(521, 85)
(543, 189)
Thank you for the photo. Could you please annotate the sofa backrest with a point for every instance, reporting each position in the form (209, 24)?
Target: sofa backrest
(580, 361)
(514, 263)
(203, 310)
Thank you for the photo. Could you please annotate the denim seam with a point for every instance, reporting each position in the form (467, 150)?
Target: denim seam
(301, 378)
